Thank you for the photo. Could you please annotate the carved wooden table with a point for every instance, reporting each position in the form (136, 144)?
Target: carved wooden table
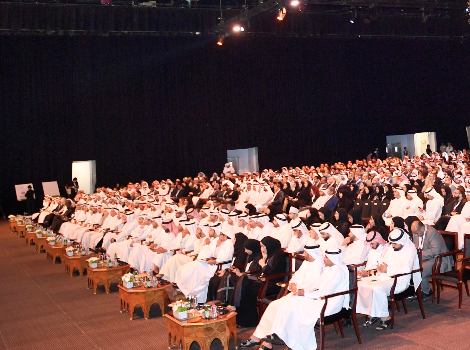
(54, 251)
(105, 275)
(13, 226)
(20, 230)
(76, 262)
(40, 243)
(30, 237)
(144, 297)
(183, 333)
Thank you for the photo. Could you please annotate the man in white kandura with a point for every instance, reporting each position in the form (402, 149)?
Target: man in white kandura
(294, 322)
(193, 278)
(400, 257)
(305, 280)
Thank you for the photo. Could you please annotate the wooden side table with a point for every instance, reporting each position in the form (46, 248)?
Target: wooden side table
(54, 251)
(201, 331)
(105, 275)
(30, 237)
(129, 298)
(40, 243)
(76, 262)
(13, 226)
(20, 230)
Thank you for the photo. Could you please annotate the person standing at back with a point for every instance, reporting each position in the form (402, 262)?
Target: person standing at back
(30, 200)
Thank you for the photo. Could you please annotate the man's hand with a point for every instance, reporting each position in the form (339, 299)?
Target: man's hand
(262, 262)
(112, 240)
(211, 261)
(293, 287)
(300, 292)
(382, 268)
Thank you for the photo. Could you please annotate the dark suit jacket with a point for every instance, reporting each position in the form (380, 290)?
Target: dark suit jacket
(278, 200)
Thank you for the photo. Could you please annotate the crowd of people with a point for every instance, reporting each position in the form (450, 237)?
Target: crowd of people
(213, 237)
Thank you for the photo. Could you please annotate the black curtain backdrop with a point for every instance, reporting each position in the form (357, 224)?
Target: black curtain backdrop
(166, 107)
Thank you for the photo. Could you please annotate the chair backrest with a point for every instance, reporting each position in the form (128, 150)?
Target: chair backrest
(466, 245)
(450, 239)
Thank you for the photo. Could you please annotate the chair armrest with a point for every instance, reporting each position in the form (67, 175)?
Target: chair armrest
(464, 259)
(452, 252)
(253, 272)
(404, 274)
(224, 262)
(355, 266)
(275, 275)
(353, 290)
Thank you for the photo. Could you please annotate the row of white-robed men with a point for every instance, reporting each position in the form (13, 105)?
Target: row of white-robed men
(207, 239)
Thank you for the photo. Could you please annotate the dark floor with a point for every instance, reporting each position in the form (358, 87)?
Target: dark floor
(42, 307)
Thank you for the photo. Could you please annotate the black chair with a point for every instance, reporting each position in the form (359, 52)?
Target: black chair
(455, 278)
(451, 240)
(410, 291)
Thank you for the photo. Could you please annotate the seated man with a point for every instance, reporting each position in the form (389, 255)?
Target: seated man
(295, 320)
(457, 221)
(193, 278)
(357, 249)
(305, 280)
(400, 257)
(378, 248)
(430, 241)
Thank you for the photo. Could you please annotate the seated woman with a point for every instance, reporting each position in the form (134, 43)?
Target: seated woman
(341, 221)
(218, 283)
(377, 223)
(273, 261)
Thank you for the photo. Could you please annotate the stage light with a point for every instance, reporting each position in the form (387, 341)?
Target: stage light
(221, 40)
(281, 14)
(295, 3)
(353, 16)
(238, 28)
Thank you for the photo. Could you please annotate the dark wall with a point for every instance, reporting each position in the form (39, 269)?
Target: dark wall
(158, 107)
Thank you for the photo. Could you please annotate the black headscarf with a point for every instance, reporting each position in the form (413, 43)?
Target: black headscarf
(379, 192)
(326, 213)
(342, 215)
(313, 218)
(408, 221)
(251, 209)
(378, 220)
(272, 246)
(255, 247)
(389, 195)
(356, 216)
(448, 196)
(398, 222)
(239, 249)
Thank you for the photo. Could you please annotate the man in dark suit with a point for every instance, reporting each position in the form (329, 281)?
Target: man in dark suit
(430, 241)
(452, 208)
(275, 206)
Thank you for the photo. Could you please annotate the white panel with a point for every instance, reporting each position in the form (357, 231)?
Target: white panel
(51, 188)
(21, 190)
(85, 172)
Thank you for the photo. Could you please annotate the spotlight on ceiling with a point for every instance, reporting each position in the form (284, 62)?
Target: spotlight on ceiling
(221, 40)
(237, 28)
(295, 3)
(282, 13)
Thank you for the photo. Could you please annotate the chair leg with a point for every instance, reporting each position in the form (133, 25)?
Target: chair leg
(393, 316)
(404, 306)
(356, 328)
(460, 294)
(336, 327)
(420, 301)
(340, 325)
(433, 289)
(398, 305)
(438, 292)
(466, 288)
(322, 336)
